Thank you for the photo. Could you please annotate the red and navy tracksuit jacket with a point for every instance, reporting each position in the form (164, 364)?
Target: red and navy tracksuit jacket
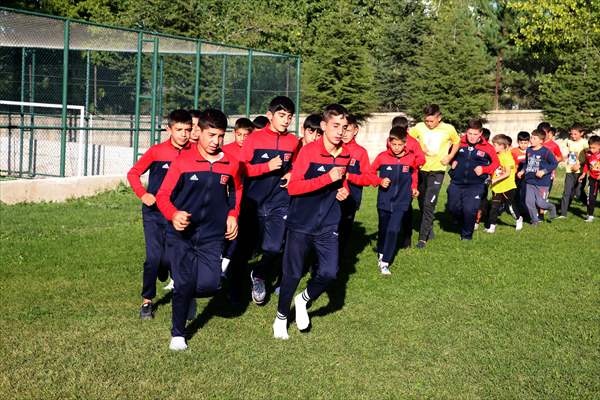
(538, 160)
(469, 157)
(209, 191)
(359, 172)
(263, 187)
(157, 159)
(412, 145)
(314, 208)
(402, 171)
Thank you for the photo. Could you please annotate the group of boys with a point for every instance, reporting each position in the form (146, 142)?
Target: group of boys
(294, 198)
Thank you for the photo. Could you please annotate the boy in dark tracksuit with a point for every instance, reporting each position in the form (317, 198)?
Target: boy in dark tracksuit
(268, 154)
(200, 196)
(157, 160)
(472, 166)
(398, 181)
(540, 164)
(317, 187)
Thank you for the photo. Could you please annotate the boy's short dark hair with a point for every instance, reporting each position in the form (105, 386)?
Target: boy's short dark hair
(594, 139)
(195, 113)
(577, 127)
(543, 126)
(179, 116)
(486, 133)
(551, 130)
(475, 124)
(212, 118)
(398, 133)
(539, 133)
(400, 121)
(313, 122)
(243, 123)
(280, 103)
(522, 136)
(503, 140)
(260, 121)
(334, 110)
(432, 109)
(352, 120)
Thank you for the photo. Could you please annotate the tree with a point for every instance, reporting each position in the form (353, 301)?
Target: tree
(338, 67)
(452, 68)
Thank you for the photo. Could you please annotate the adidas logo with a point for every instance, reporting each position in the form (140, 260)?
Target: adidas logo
(321, 169)
(165, 166)
(194, 178)
(388, 168)
(477, 197)
(266, 155)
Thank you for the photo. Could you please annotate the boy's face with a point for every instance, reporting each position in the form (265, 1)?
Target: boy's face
(595, 148)
(473, 135)
(576, 134)
(396, 145)
(310, 135)
(241, 135)
(350, 133)
(179, 133)
(333, 129)
(536, 141)
(280, 120)
(211, 139)
(499, 147)
(549, 136)
(195, 130)
(523, 144)
(432, 121)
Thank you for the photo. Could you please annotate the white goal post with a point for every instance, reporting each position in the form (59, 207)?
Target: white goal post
(81, 109)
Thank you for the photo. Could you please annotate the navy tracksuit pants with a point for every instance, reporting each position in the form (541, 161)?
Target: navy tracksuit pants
(272, 228)
(391, 225)
(196, 269)
(463, 203)
(154, 234)
(297, 246)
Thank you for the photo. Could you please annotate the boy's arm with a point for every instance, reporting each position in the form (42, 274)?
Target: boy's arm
(138, 169)
(364, 178)
(415, 147)
(505, 174)
(495, 163)
(375, 179)
(252, 170)
(298, 185)
(235, 194)
(550, 163)
(163, 197)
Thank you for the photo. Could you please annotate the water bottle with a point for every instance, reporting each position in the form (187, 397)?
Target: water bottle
(572, 158)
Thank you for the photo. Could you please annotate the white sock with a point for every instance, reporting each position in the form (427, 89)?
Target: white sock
(302, 320)
(170, 285)
(177, 343)
(192, 310)
(224, 265)
(280, 327)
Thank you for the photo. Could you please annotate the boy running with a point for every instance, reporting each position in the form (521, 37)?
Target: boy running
(576, 147)
(591, 168)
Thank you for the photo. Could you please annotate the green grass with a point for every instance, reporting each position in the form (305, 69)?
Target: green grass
(510, 315)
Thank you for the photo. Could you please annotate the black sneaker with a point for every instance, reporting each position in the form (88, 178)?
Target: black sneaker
(146, 311)
(421, 244)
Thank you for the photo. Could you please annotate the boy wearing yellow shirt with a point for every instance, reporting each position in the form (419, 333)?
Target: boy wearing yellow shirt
(576, 147)
(439, 142)
(504, 188)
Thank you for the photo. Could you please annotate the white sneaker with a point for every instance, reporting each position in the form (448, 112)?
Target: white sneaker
(384, 268)
(280, 329)
(519, 224)
(475, 227)
(302, 319)
(561, 217)
(590, 218)
(192, 310)
(178, 343)
(170, 286)
(491, 229)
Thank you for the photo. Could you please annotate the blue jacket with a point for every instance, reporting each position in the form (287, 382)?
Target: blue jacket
(470, 156)
(538, 160)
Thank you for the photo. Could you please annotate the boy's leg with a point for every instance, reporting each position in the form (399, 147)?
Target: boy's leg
(429, 200)
(296, 246)
(326, 247)
(391, 236)
(592, 195)
(471, 201)
(511, 202)
(407, 226)
(530, 201)
(184, 273)
(348, 207)
(455, 200)
(568, 193)
(273, 229)
(154, 236)
(494, 211)
(384, 219)
(542, 200)
(207, 260)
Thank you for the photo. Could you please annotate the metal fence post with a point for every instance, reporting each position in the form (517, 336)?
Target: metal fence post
(249, 84)
(223, 73)
(159, 115)
(298, 108)
(31, 111)
(87, 112)
(63, 131)
(197, 73)
(22, 129)
(138, 88)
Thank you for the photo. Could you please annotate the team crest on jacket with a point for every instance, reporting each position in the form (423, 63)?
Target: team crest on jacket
(287, 156)
(480, 153)
(353, 162)
(224, 179)
(405, 168)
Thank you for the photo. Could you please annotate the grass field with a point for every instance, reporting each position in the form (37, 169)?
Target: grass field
(514, 315)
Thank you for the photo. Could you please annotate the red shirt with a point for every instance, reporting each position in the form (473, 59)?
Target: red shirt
(555, 149)
(592, 164)
(519, 156)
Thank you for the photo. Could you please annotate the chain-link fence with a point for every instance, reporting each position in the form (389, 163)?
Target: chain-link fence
(78, 98)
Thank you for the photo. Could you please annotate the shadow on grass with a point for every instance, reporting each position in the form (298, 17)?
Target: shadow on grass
(163, 301)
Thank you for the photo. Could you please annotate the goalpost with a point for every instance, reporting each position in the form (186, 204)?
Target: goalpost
(81, 124)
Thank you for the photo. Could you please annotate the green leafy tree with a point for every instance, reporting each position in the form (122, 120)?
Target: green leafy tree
(453, 68)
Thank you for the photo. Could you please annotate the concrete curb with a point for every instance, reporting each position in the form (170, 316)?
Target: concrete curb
(56, 189)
